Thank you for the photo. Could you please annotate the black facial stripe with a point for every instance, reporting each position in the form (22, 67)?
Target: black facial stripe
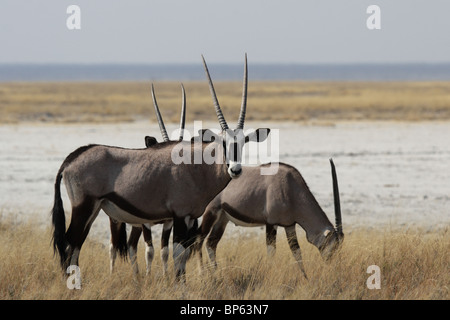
(234, 147)
(224, 143)
(233, 153)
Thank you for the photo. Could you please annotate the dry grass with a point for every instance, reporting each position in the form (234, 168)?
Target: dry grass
(328, 101)
(414, 265)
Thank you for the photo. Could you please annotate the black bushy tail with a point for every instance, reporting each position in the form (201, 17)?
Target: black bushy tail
(59, 223)
(119, 238)
(122, 245)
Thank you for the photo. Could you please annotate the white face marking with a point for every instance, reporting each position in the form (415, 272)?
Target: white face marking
(234, 142)
(326, 232)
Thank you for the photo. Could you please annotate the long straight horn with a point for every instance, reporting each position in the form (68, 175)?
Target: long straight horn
(241, 120)
(183, 113)
(158, 116)
(337, 202)
(223, 123)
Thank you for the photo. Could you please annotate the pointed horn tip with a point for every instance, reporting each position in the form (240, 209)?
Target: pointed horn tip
(221, 118)
(183, 113)
(241, 119)
(153, 91)
(333, 167)
(337, 201)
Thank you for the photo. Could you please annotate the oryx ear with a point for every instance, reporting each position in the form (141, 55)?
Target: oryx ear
(150, 141)
(259, 135)
(207, 135)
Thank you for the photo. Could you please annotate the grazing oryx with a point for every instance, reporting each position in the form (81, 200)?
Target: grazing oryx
(118, 229)
(146, 186)
(282, 199)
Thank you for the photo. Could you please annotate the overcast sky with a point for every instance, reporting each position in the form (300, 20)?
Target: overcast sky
(164, 31)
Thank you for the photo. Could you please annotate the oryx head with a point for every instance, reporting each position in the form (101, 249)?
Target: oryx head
(233, 140)
(333, 238)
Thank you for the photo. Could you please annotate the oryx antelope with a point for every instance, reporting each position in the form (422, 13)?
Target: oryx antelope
(282, 199)
(119, 242)
(145, 186)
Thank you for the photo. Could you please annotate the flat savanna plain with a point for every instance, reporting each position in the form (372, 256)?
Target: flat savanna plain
(413, 265)
(278, 101)
(414, 262)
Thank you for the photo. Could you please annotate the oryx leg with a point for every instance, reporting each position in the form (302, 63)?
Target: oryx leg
(165, 236)
(208, 220)
(295, 247)
(215, 236)
(149, 250)
(271, 239)
(118, 241)
(83, 215)
(133, 241)
(181, 247)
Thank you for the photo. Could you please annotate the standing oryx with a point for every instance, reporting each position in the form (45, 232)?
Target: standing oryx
(146, 186)
(282, 199)
(119, 242)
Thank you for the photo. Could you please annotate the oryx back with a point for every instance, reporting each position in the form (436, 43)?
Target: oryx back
(144, 183)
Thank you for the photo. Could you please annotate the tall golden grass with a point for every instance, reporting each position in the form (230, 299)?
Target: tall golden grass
(414, 264)
(282, 100)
